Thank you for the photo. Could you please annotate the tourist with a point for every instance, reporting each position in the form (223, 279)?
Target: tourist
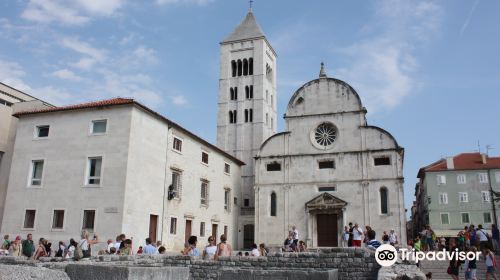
(70, 252)
(491, 263)
(223, 249)
(255, 252)
(112, 251)
(385, 237)
(118, 243)
(417, 245)
(461, 240)
(86, 243)
(127, 248)
(110, 245)
(60, 250)
(40, 250)
(472, 233)
(482, 236)
(28, 247)
(149, 249)
(15, 249)
(191, 249)
(288, 244)
(123, 237)
(470, 266)
(467, 237)
(454, 267)
(357, 235)
(429, 242)
(6, 242)
(495, 238)
(247, 254)
(210, 249)
(240, 254)
(393, 238)
(295, 233)
(372, 242)
(162, 250)
(349, 242)
(263, 250)
(48, 248)
(139, 251)
(365, 234)
(345, 237)
(442, 243)
(302, 246)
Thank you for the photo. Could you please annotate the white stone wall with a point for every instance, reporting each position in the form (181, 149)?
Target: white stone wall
(356, 178)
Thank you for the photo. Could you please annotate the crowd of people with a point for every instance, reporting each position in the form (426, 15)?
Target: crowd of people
(470, 239)
(355, 236)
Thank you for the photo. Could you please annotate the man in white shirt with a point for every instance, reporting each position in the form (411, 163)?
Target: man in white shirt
(149, 249)
(110, 245)
(482, 236)
(393, 238)
(295, 235)
(357, 234)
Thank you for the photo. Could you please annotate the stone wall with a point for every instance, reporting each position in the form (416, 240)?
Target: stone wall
(351, 263)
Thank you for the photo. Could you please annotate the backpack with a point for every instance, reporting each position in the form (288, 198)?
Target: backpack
(78, 254)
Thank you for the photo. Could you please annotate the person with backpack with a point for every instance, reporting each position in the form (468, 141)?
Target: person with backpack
(28, 247)
(83, 250)
(61, 249)
(482, 236)
(70, 252)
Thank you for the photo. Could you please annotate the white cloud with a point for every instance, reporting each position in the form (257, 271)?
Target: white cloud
(77, 12)
(55, 96)
(83, 48)
(383, 68)
(66, 74)
(85, 63)
(469, 17)
(11, 73)
(178, 100)
(195, 2)
(145, 54)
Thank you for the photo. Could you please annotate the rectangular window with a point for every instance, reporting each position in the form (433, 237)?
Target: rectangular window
(227, 168)
(441, 179)
(36, 172)
(227, 199)
(445, 220)
(204, 193)
(29, 219)
(58, 219)
(485, 195)
(204, 157)
(202, 229)
(461, 179)
(443, 198)
(173, 225)
(465, 218)
(382, 161)
(42, 131)
(177, 145)
(487, 217)
(483, 178)
(94, 171)
(463, 197)
(273, 166)
(329, 164)
(327, 189)
(88, 220)
(175, 188)
(99, 127)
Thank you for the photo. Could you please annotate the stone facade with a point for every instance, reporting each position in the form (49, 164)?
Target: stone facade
(327, 169)
(134, 194)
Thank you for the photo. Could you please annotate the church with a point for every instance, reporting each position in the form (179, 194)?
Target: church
(328, 168)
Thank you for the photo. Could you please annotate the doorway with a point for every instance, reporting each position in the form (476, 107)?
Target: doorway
(153, 227)
(327, 230)
(248, 236)
(187, 232)
(214, 231)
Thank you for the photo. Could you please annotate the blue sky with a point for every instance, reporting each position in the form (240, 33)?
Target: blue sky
(427, 71)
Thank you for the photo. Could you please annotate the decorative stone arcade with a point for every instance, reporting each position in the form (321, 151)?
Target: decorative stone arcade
(325, 219)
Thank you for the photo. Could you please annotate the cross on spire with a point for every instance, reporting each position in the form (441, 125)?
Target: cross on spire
(250, 5)
(322, 71)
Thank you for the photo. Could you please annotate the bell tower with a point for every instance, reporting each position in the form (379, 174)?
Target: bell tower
(247, 104)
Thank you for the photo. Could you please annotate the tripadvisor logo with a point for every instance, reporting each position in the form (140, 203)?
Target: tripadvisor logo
(387, 255)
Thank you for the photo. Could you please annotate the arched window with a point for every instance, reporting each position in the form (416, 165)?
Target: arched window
(235, 117)
(233, 68)
(384, 209)
(235, 93)
(231, 93)
(245, 67)
(246, 115)
(267, 119)
(273, 204)
(250, 66)
(239, 67)
(251, 92)
(230, 117)
(247, 92)
(250, 115)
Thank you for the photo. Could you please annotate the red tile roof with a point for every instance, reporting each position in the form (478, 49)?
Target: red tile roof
(464, 161)
(125, 101)
(95, 104)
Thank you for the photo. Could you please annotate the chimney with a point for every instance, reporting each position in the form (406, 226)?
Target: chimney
(449, 163)
(484, 158)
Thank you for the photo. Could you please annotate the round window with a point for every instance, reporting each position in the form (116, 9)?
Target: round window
(325, 134)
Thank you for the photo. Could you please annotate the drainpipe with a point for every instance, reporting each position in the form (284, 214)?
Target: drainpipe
(492, 199)
(164, 188)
